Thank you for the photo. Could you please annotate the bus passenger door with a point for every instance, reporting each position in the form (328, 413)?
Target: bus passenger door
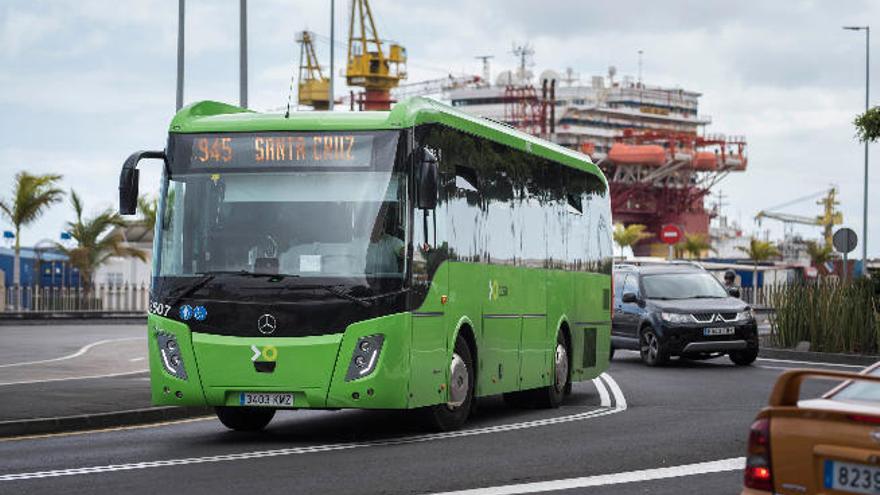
(502, 330)
(429, 349)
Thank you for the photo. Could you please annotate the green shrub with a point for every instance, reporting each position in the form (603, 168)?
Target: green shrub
(832, 316)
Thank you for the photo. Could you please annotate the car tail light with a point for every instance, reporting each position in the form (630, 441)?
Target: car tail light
(759, 474)
(874, 420)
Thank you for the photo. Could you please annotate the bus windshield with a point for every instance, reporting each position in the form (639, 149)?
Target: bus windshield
(328, 212)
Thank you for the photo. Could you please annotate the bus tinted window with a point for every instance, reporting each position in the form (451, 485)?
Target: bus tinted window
(505, 206)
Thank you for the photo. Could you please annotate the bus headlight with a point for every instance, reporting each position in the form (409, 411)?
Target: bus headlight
(365, 356)
(169, 352)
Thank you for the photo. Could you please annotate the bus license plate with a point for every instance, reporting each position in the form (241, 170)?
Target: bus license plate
(852, 478)
(709, 332)
(253, 399)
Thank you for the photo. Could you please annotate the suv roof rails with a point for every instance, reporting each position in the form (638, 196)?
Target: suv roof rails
(637, 264)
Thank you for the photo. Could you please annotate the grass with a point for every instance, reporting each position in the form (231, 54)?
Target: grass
(832, 316)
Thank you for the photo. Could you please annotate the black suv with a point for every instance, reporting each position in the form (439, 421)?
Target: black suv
(680, 310)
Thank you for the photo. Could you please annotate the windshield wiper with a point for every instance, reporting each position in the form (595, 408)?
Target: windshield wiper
(339, 292)
(207, 277)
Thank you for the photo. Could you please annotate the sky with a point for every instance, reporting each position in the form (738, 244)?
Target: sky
(85, 83)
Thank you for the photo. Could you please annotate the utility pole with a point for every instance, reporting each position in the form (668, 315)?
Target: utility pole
(867, 30)
(242, 59)
(180, 32)
(640, 67)
(332, 49)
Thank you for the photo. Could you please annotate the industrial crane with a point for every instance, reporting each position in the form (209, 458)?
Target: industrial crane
(369, 66)
(827, 220)
(314, 87)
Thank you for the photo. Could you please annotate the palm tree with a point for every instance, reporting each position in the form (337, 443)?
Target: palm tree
(94, 243)
(758, 251)
(630, 235)
(147, 206)
(819, 253)
(694, 245)
(31, 196)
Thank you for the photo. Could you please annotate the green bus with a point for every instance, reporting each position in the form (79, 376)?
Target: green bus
(411, 259)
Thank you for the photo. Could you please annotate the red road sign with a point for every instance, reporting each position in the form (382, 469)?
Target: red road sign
(671, 234)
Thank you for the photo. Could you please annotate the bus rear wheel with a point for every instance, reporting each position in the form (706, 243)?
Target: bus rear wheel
(452, 414)
(244, 418)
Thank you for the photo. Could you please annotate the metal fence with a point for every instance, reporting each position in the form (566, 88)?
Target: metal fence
(764, 294)
(122, 298)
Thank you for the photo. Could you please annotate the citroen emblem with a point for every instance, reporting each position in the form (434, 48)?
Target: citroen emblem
(266, 324)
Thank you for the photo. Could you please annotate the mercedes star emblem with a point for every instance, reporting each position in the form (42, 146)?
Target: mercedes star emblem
(266, 324)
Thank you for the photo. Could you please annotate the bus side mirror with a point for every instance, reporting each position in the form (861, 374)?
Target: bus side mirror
(428, 179)
(128, 180)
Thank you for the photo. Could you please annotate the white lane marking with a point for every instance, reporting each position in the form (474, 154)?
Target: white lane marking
(134, 360)
(602, 411)
(814, 363)
(109, 375)
(720, 466)
(84, 349)
(619, 398)
(604, 398)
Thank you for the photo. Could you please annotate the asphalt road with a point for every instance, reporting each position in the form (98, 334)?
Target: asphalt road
(601, 441)
(28, 343)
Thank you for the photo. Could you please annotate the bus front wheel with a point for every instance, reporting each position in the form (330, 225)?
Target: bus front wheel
(244, 418)
(452, 414)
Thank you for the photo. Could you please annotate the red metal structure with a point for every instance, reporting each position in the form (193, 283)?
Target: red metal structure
(657, 176)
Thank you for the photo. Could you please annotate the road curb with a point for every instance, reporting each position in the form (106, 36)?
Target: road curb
(66, 424)
(82, 318)
(821, 357)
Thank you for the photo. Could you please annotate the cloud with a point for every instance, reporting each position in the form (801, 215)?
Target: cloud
(85, 83)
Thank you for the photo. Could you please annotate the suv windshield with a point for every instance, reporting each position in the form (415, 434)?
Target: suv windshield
(682, 286)
(257, 203)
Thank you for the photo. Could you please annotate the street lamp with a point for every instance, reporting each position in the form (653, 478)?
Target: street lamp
(867, 30)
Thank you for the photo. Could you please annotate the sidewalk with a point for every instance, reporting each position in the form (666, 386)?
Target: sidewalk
(71, 377)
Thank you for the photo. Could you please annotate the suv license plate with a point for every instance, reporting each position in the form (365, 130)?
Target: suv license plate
(709, 332)
(254, 399)
(852, 478)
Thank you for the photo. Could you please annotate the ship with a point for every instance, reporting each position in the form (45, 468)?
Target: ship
(651, 142)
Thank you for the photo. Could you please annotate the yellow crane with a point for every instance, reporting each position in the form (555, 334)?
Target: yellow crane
(314, 87)
(827, 220)
(369, 65)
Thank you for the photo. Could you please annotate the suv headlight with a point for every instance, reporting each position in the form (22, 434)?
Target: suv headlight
(676, 317)
(364, 357)
(169, 352)
(746, 315)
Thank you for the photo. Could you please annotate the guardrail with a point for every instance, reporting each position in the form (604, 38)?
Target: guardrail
(103, 298)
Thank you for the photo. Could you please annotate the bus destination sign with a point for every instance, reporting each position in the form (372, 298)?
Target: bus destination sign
(278, 150)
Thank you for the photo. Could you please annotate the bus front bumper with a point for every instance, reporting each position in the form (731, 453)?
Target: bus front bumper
(319, 371)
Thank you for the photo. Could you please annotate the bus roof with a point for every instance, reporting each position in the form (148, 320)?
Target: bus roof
(212, 116)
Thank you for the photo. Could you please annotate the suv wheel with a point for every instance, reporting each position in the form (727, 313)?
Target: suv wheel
(744, 358)
(653, 350)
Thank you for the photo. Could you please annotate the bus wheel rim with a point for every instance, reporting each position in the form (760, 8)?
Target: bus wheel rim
(561, 367)
(459, 382)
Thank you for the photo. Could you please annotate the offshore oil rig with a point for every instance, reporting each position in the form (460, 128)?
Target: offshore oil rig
(650, 141)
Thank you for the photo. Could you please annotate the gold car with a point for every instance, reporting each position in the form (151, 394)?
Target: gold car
(829, 445)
